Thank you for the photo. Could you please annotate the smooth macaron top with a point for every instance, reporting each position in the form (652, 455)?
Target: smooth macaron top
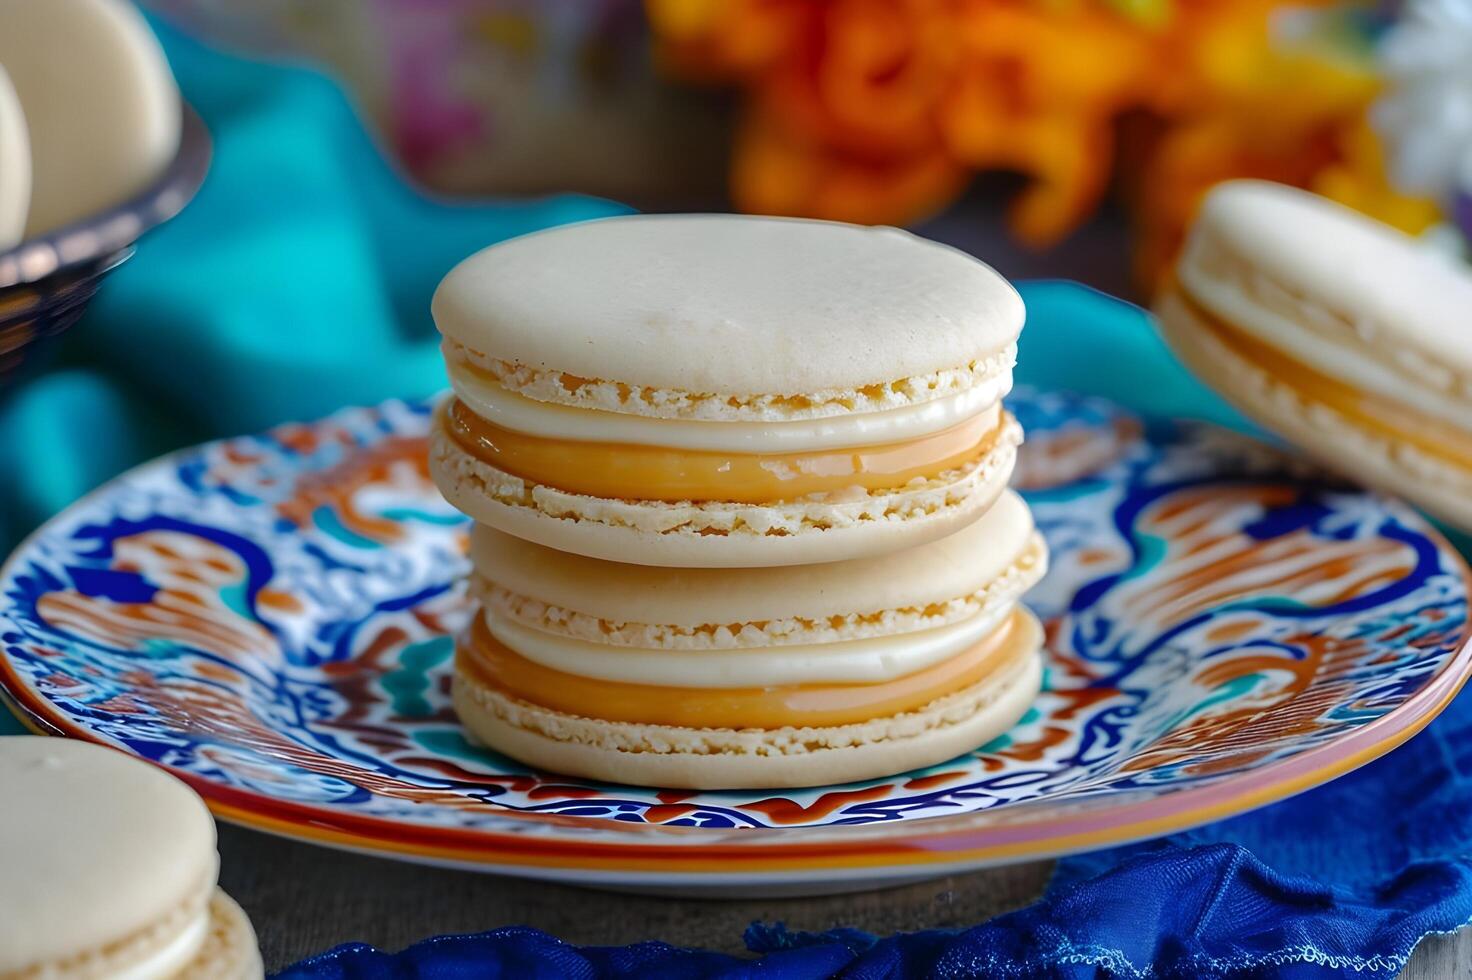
(736, 307)
(15, 166)
(955, 567)
(95, 848)
(101, 107)
(1294, 267)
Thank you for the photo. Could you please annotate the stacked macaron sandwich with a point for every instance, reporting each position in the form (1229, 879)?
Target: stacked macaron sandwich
(740, 486)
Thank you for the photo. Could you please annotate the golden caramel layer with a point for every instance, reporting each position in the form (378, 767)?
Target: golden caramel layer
(1385, 416)
(634, 472)
(480, 656)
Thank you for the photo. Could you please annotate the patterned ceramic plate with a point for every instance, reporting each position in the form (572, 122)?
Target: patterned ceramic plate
(270, 618)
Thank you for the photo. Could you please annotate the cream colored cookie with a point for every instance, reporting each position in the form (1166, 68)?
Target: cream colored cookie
(775, 315)
(993, 560)
(1337, 290)
(15, 166)
(725, 391)
(109, 871)
(1379, 459)
(695, 758)
(1342, 334)
(230, 951)
(774, 676)
(101, 106)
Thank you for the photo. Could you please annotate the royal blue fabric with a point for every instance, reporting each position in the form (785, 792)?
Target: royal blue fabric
(1173, 908)
(299, 282)
(1169, 909)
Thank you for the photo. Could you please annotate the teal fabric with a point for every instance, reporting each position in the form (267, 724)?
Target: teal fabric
(297, 282)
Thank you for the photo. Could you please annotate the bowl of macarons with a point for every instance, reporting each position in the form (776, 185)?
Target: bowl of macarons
(96, 148)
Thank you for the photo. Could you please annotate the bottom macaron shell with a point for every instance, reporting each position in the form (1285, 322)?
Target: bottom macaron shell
(230, 951)
(691, 758)
(715, 535)
(1435, 485)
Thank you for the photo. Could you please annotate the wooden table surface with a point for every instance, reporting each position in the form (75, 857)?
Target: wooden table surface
(305, 899)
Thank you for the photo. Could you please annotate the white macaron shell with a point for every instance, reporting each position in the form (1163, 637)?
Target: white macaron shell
(729, 304)
(102, 108)
(174, 957)
(958, 565)
(1436, 484)
(1347, 360)
(1405, 306)
(96, 848)
(15, 166)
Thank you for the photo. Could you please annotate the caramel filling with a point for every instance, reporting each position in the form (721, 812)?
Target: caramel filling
(634, 472)
(1377, 413)
(482, 658)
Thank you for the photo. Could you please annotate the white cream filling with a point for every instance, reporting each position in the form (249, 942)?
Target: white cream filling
(509, 410)
(1323, 346)
(867, 661)
(170, 961)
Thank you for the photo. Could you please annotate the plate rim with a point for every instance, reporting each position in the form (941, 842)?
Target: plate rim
(939, 845)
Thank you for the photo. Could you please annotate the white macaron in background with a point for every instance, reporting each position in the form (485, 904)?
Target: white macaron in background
(101, 111)
(109, 869)
(1343, 335)
(15, 165)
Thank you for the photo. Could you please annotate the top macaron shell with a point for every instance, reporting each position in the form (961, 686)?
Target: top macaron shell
(727, 305)
(1340, 291)
(104, 846)
(101, 106)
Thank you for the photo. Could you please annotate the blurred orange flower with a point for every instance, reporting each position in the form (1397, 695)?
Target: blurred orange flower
(881, 110)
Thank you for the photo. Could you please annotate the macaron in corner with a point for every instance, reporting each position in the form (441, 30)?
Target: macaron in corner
(1343, 335)
(109, 871)
(15, 166)
(727, 678)
(102, 110)
(725, 391)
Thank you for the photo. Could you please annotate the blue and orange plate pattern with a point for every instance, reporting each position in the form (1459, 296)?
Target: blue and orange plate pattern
(270, 617)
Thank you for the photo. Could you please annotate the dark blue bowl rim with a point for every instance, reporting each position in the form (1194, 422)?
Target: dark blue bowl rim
(102, 235)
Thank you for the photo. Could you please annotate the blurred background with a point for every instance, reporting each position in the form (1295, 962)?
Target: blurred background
(1054, 137)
